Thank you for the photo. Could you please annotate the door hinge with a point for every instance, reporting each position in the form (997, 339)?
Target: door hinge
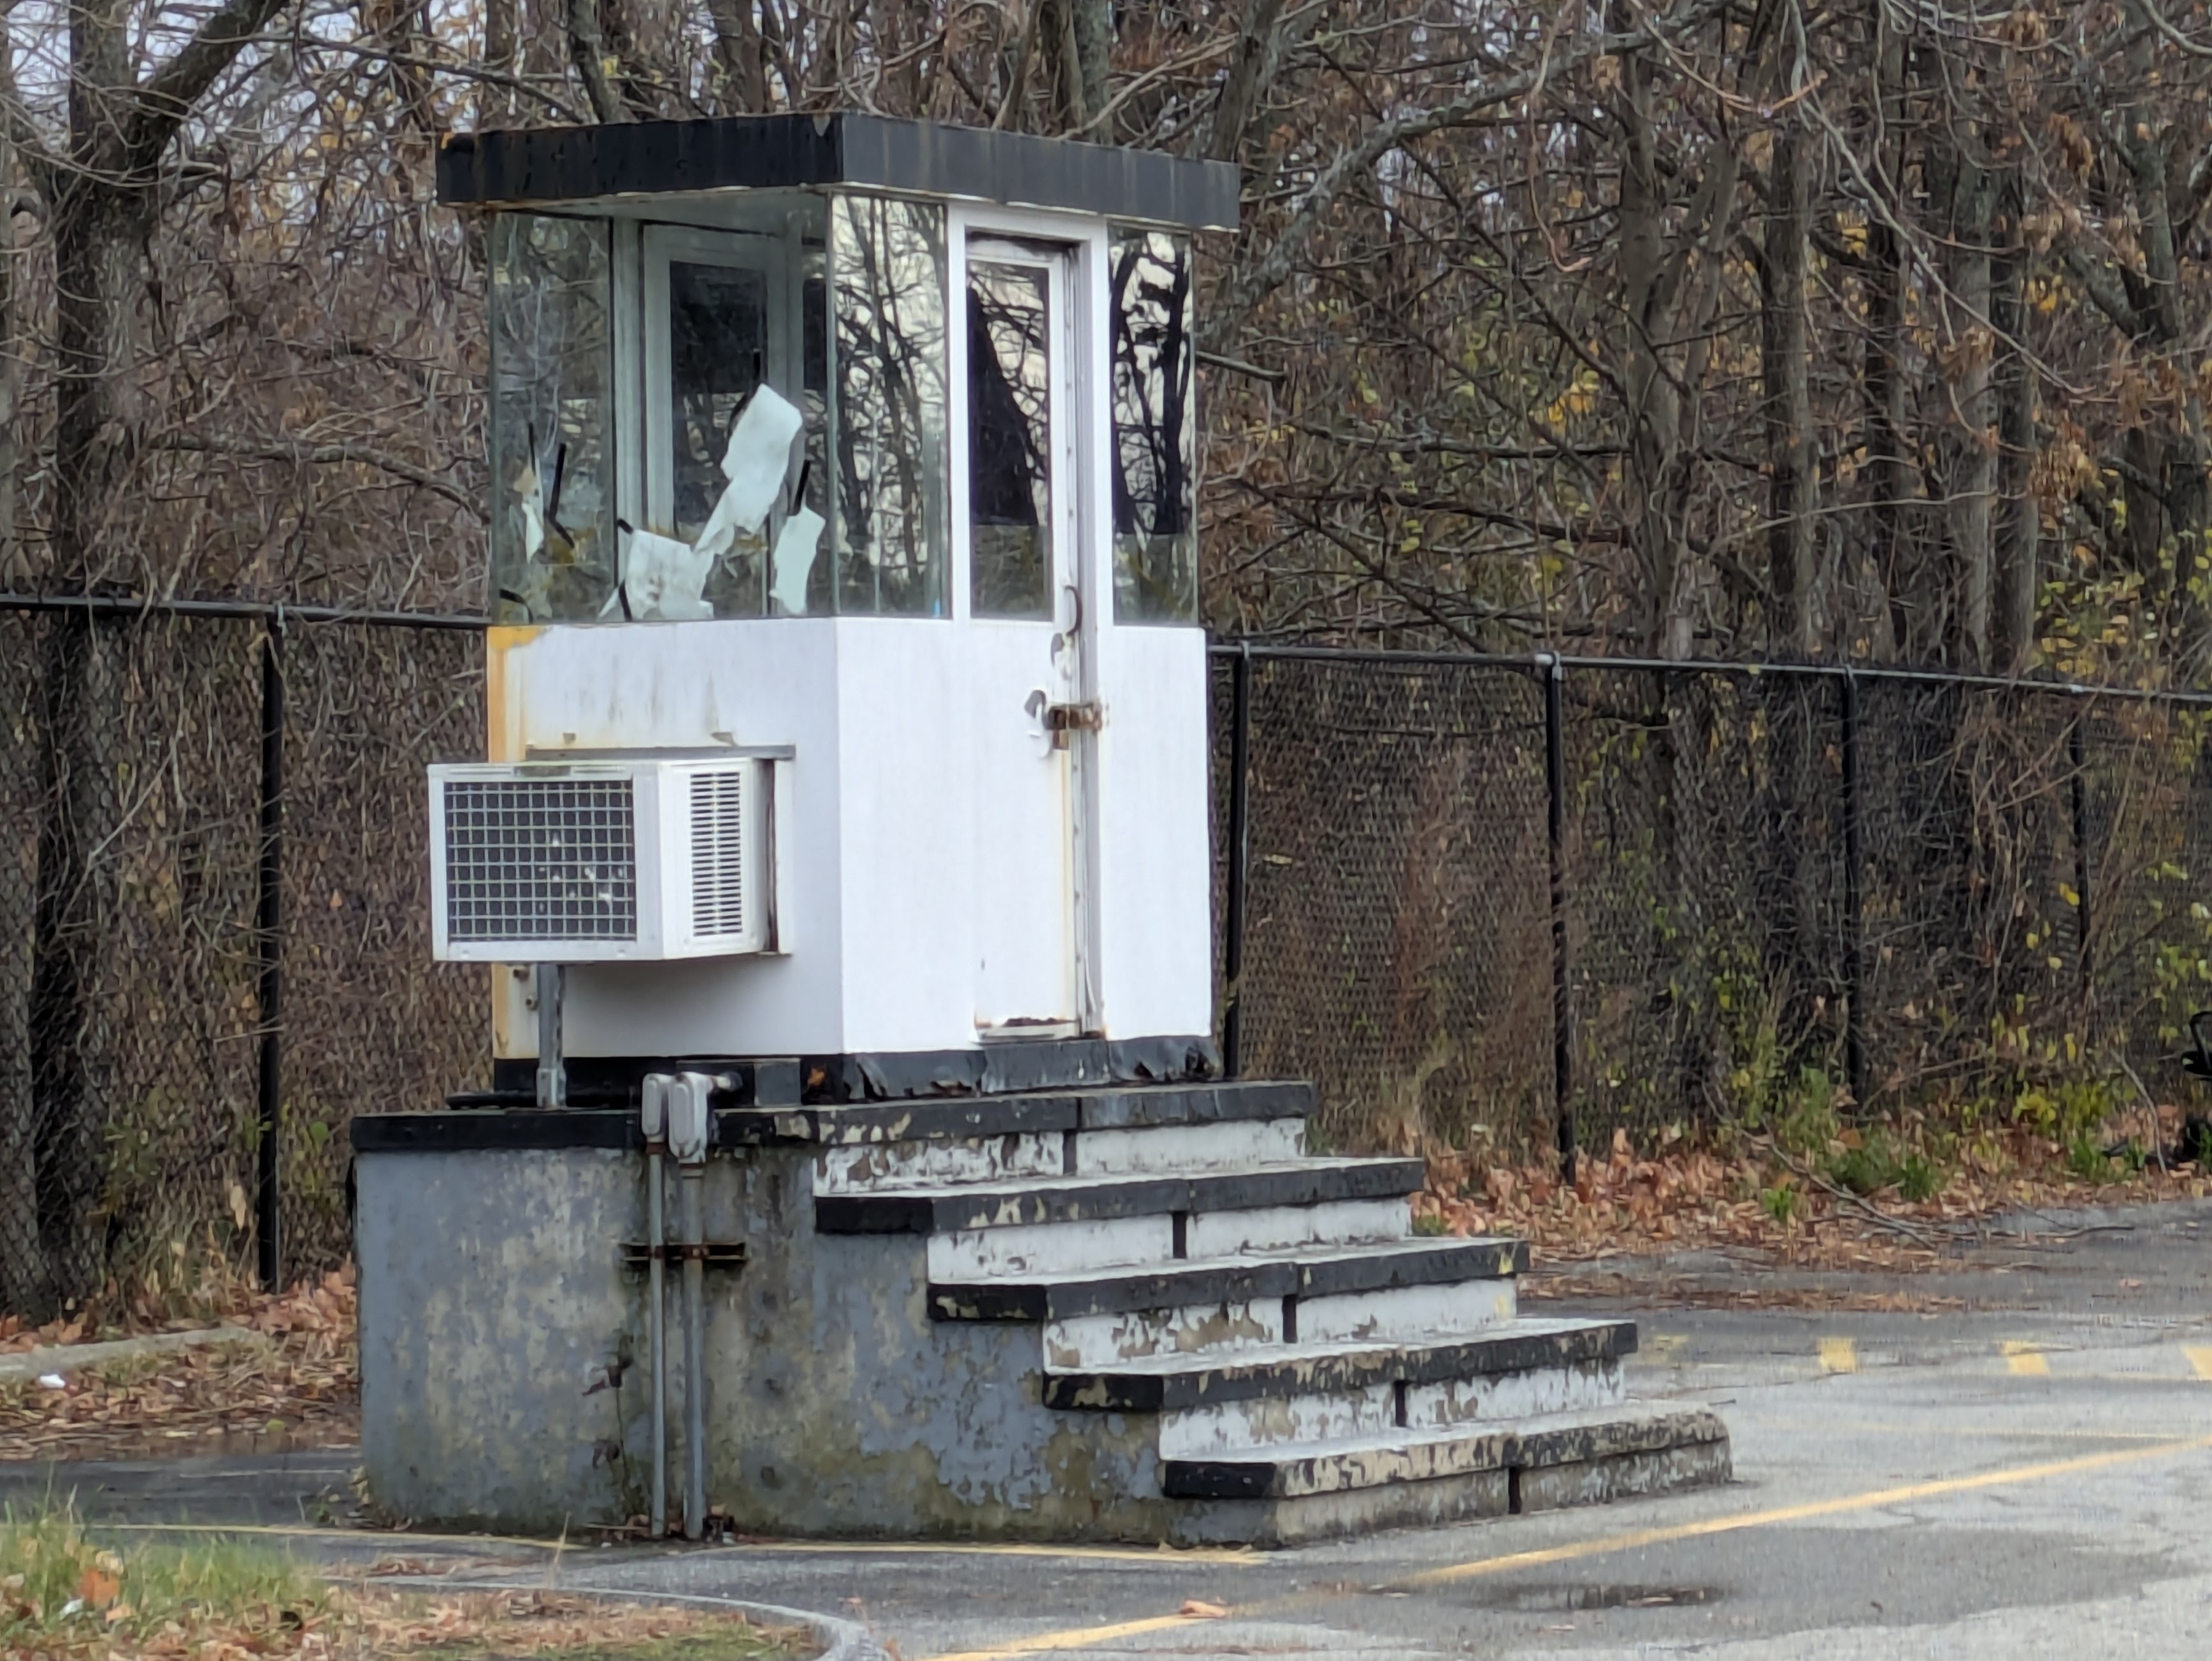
(1062, 719)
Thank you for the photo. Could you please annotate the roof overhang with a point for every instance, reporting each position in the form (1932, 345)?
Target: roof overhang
(541, 167)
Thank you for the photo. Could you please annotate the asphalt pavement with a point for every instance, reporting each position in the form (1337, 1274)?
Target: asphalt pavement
(2013, 1461)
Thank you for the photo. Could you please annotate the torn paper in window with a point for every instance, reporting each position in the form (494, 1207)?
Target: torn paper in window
(665, 578)
(756, 463)
(796, 545)
(530, 511)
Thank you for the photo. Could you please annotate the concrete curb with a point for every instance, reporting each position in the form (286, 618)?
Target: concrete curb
(66, 1359)
(841, 1639)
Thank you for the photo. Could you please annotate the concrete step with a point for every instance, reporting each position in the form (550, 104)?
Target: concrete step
(1075, 1224)
(1121, 1107)
(1384, 1291)
(1399, 1315)
(1173, 1383)
(1548, 1460)
(1032, 1201)
(919, 1162)
(1378, 1409)
(1310, 1273)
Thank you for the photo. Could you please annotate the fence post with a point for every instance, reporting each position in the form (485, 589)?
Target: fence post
(1232, 945)
(2080, 791)
(269, 945)
(1854, 1012)
(1554, 673)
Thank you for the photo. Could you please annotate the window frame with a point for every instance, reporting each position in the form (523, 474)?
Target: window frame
(1088, 514)
(659, 246)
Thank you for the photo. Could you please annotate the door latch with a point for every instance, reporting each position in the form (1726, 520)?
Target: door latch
(1062, 719)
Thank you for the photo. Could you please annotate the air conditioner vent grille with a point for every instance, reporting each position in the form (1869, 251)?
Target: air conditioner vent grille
(718, 849)
(541, 858)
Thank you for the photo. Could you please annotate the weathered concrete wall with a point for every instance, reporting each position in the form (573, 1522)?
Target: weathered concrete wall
(493, 1297)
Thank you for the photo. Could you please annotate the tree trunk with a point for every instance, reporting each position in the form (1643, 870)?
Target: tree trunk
(98, 231)
(1653, 412)
(741, 72)
(100, 215)
(587, 51)
(1970, 446)
(495, 102)
(2020, 521)
(1259, 47)
(1093, 31)
(1791, 524)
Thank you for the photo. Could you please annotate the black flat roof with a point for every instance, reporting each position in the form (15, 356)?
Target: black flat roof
(540, 166)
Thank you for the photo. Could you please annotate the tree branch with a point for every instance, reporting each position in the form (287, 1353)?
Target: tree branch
(325, 454)
(164, 101)
(1240, 297)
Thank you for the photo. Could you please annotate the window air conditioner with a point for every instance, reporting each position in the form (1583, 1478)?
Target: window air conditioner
(600, 862)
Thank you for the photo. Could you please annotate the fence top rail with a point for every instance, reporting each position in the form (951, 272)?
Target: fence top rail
(259, 610)
(1227, 649)
(1221, 648)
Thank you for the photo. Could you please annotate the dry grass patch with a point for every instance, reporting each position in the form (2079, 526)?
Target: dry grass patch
(65, 1595)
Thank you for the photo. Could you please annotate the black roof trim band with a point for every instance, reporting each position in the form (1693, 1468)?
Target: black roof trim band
(785, 152)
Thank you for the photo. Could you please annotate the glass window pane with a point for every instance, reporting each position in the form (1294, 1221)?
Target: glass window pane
(811, 592)
(552, 450)
(1155, 430)
(717, 354)
(1009, 441)
(887, 268)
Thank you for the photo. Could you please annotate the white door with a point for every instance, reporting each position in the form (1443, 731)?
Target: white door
(1032, 655)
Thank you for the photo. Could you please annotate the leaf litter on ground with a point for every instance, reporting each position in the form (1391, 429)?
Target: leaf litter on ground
(293, 1380)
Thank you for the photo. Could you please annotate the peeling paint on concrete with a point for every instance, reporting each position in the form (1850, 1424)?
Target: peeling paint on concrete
(1574, 1389)
(1228, 1145)
(848, 1170)
(1228, 1427)
(1050, 1248)
(1407, 1313)
(1085, 1341)
(1277, 1228)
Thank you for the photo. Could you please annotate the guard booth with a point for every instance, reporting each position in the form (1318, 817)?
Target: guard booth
(847, 807)
(847, 701)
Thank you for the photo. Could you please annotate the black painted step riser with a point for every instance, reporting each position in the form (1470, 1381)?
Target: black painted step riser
(1126, 1294)
(1321, 1375)
(950, 1209)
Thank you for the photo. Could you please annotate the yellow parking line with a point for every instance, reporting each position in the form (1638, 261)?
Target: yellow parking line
(1839, 1355)
(2200, 1357)
(1604, 1545)
(1873, 1500)
(2028, 1360)
(1075, 1638)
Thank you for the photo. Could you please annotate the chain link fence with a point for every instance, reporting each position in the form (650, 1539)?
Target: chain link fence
(1452, 890)
(136, 769)
(1459, 890)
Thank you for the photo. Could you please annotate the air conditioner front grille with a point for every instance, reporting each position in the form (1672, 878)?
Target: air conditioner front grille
(718, 849)
(540, 860)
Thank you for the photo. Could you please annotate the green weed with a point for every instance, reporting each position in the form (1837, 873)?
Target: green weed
(1919, 1178)
(58, 1585)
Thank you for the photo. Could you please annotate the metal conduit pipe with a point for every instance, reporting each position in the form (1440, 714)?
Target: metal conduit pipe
(687, 1140)
(653, 1120)
(552, 1074)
